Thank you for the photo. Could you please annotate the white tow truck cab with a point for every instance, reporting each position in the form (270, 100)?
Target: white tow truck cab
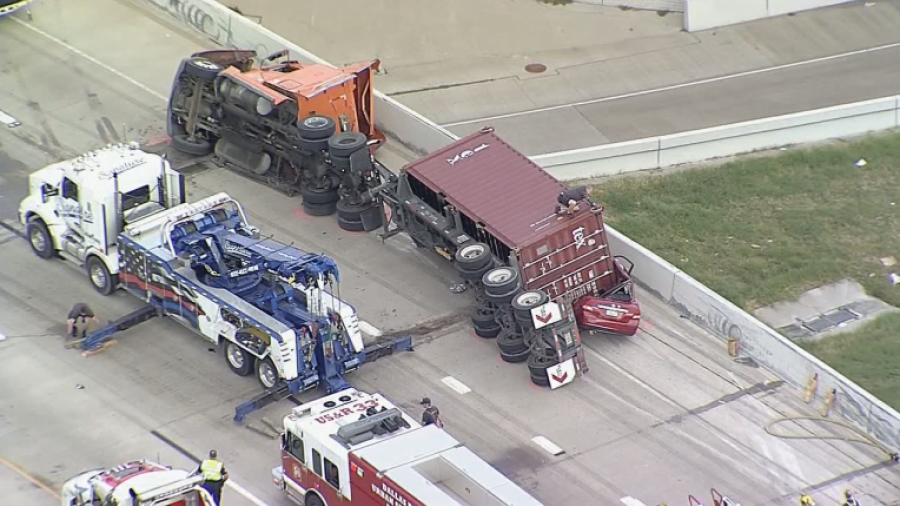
(76, 208)
(354, 448)
(138, 483)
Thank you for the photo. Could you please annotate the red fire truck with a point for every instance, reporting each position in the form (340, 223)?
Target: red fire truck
(354, 448)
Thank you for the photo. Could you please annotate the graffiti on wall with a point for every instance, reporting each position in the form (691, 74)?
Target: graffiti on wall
(197, 16)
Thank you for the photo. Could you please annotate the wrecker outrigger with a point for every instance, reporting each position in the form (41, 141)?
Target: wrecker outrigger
(268, 306)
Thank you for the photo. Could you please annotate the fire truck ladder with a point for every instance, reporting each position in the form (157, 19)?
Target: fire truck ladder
(330, 375)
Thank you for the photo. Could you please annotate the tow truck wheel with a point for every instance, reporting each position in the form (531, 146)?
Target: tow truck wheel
(39, 238)
(102, 280)
(195, 147)
(238, 360)
(266, 373)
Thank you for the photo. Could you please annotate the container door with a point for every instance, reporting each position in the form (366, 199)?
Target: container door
(573, 262)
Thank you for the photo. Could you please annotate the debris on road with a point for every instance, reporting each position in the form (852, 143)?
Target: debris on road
(888, 261)
(861, 162)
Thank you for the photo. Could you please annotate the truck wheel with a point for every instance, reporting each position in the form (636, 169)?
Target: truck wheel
(266, 373)
(500, 281)
(502, 299)
(473, 256)
(102, 280)
(351, 225)
(315, 195)
(475, 275)
(316, 128)
(202, 68)
(195, 147)
(515, 358)
(511, 343)
(39, 238)
(524, 302)
(344, 144)
(319, 209)
(238, 360)
(483, 320)
(312, 500)
(349, 211)
(488, 333)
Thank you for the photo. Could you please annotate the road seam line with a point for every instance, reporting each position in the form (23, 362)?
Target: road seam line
(90, 59)
(675, 86)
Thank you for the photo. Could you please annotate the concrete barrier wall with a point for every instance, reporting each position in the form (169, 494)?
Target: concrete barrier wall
(230, 29)
(653, 5)
(756, 340)
(705, 14)
(699, 145)
(704, 306)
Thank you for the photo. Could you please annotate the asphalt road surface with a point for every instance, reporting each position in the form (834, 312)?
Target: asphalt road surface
(659, 416)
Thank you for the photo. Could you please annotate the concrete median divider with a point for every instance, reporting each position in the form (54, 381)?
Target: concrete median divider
(604, 160)
(706, 14)
(781, 356)
(728, 140)
(227, 28)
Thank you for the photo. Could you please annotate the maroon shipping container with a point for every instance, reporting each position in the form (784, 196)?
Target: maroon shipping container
(482, 189)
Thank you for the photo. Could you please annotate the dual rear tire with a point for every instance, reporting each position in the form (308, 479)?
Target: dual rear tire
(243, 363)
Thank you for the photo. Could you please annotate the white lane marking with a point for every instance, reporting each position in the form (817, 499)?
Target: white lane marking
(369, 329)
(631, 501)
(633, 378)
(457, 385)
(676, 86)
(2, 337)
(241, 490)
(8, 120)
(548, 445)
(90, 59)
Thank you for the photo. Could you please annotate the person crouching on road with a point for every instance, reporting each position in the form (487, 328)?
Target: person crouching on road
(81, 317)
(214, 474)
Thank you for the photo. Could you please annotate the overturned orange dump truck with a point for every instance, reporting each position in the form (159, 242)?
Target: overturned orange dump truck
(292, 125)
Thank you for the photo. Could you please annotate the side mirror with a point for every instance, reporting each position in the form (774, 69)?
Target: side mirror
(43, 193)
(284, 445)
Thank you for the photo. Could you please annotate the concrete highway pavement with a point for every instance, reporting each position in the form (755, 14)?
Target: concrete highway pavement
(659, 416)
(465, 62)
(715, 102)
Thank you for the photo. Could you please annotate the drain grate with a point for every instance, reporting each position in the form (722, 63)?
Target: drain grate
(795, 331)
(818, 324)
(839, 316)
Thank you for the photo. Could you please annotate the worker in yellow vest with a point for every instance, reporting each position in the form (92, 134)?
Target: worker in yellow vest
(214, 474)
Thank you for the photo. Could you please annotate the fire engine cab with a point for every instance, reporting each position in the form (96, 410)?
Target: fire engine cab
(354, 448)
(140, 483)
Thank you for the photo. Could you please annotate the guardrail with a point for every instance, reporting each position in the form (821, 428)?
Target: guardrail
(230, 29)
(703, 305)
(699, 145)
